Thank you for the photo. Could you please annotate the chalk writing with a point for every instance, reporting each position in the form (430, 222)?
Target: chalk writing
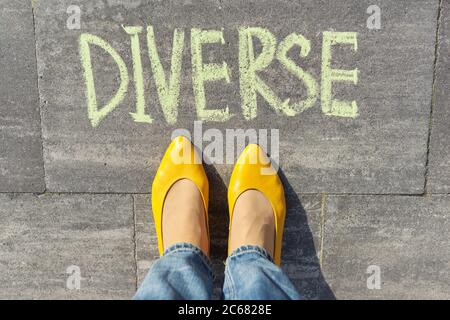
(251, 84)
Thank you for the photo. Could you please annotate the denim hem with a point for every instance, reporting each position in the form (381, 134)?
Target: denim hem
(246, 249)
(189, 247)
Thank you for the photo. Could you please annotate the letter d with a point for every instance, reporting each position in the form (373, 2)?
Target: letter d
(95, 114)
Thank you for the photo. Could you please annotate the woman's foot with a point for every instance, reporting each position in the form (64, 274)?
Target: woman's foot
(253, 222)
(184, 216)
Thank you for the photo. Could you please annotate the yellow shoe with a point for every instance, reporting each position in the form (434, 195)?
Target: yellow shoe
(181, 161)
(253, 171)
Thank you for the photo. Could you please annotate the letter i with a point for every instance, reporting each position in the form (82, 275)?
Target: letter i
(139, 115)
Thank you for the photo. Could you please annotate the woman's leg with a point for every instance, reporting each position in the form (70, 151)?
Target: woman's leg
(250, 272)
(184, 270)
(182, 273)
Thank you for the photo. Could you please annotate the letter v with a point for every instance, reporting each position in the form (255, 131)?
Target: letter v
(168, 92)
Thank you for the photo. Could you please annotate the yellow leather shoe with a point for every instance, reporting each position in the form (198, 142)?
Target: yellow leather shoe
(181, 161)
(253, 171)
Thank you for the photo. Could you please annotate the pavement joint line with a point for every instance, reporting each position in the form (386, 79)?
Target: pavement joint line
(33, 5)
(135, 242)
(354, 202)
(433, 96)
(323, 208)
(418, 195)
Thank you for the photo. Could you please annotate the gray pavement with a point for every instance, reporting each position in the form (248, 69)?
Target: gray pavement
(439, 168)
(365, 160)
(21, 165)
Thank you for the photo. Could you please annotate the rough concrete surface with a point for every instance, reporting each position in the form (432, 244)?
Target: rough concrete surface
(367, 187)
(406, 238)
(439, 166)
(383, 150)
(21, 164)
(42, 237)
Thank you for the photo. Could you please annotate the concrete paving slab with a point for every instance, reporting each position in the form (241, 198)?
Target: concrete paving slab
(302, 248)
(47, 240)
(439, 161)
(322, 149)
(21, 163)
(301, 243)
(385, 247)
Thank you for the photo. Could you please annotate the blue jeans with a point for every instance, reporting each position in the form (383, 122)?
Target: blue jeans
(185, 273)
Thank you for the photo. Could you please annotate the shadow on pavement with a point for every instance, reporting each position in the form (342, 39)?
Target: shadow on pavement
(300, 260)
(299, 256)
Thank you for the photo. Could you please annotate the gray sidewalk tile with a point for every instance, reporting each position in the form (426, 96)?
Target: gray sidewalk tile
(439, 161)
(403, 240)
(383, 150)
(21, 163)
(44, 239)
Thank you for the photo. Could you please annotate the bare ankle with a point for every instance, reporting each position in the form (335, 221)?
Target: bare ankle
(253, 222)
(184, 216)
